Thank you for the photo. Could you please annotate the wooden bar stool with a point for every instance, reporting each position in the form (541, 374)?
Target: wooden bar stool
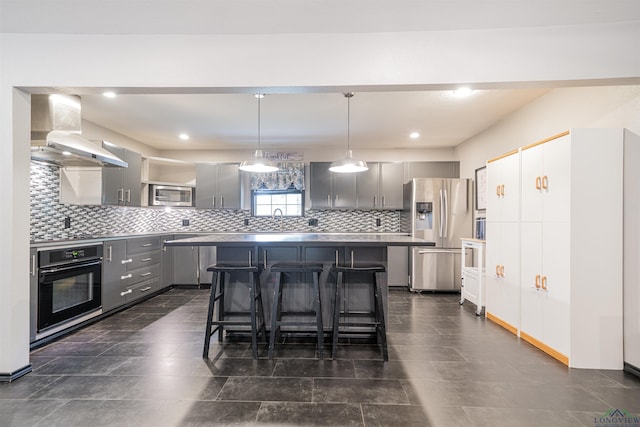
(256, 312)
(374, 318)
(276, 302)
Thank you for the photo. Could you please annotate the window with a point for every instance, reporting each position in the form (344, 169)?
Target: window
(264, 202)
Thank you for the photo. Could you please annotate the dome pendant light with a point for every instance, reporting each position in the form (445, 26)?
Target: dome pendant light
(348, 164)
(258, 163)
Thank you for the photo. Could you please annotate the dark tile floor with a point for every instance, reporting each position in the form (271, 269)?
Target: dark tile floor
(143, 367)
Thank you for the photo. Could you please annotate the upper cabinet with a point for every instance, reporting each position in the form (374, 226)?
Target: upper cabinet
(122, 186)
(380, 187)
(218, 186)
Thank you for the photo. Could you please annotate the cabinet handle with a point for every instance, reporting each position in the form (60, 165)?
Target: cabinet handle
(502, 190)
(383, 201)
(544, 283)
(128, 276)
(538, 183)
(264, 258)
(121, 195)
(33, 265)
(328, 199)
(498, 191)
(128, 198)
(145, 274)
(537, 281)
(214, 201)
(545, 182)
(145, 260)
(250, 258)
(497, 271)
(351, 259)
(502, 271)
(146, 245)
(337, 258)
(164, 246)
(110, 252)
(126, 261)
(128, 291)
(145, 289)
(374, 201)
(222, 201)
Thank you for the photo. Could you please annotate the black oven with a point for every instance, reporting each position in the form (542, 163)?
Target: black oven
(69, 287)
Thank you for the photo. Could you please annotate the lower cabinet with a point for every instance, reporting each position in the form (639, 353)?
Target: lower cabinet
(113, 272)
(185, 263)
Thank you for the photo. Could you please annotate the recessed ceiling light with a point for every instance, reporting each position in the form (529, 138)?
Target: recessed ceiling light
(414, 135)
(183, 136)
(109, 94)
(462, 91)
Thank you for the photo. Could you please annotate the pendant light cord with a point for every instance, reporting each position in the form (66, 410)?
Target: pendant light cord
(349, 121)
(259, 123)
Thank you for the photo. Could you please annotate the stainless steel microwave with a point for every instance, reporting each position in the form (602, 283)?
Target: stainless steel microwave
(170, 195)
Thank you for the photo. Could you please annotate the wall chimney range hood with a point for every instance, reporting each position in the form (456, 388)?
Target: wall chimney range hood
(55, 134)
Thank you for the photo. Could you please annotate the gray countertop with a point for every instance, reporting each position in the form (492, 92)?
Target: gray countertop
(306, 239)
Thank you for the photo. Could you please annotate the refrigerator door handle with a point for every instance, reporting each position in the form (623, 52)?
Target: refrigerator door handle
(441, 214)
(446, 214)
(438, 251)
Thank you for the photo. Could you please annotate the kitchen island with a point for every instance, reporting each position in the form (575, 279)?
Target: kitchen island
(264, 249)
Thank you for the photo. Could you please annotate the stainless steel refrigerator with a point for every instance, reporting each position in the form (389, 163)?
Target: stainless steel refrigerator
(439, 210)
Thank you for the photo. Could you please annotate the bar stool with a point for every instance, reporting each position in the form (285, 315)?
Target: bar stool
(377, 314)
(276, 304)
(256, 311)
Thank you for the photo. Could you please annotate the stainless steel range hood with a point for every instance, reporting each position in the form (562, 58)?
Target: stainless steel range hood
(55, 134)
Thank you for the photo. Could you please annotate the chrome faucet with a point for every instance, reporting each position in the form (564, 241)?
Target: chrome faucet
(273, 218)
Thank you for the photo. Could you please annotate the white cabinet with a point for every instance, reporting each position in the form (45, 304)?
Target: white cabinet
(473, 273)
(502, 242)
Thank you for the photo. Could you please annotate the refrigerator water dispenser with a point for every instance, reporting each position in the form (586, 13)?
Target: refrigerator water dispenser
(424, 217)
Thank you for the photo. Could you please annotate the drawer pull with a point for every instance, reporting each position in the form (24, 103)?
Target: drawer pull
(145, 289)
(145, 259)
(128, 291)
(127, 261)
(146, 245)
(145, 274)
(128, 276)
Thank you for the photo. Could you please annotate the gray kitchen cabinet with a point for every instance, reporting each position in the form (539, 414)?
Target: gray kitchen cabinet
(397, 266)
(206, 258)
(320, 188)
(143, 267)
(390, 192)
(432, 170)
(218, 186)
(166, 262)
(344, 190)
(113, 270)
(122, 186)
(185, 263)
(367, 185)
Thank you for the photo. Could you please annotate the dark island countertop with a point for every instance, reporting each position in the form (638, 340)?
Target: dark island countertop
(303, 239)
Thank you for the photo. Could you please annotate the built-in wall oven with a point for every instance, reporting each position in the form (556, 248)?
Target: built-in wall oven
(68, 288)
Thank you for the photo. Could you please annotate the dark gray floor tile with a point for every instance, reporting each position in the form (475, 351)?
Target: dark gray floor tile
(509, 417)
(559, 374)
(395, 415)
(587, 419)
(26, 386)
(309, 414)
(84, 335)
(486, 371)
(80, 366)
(88, 387)
(358, 391)
(377, 369)
(435, 393)
(617, 397)
(267, 389)
(69, 348)
(192, 414)
(107, 413)
(552, 397)
(115, 336)
(131, 349)
(157, 387)
(623, 378)
(21, 413)
(295, 351)
(425, 353)
(165, 366)
(306, 368)
(39, 361)
(235, 367)
(357, 351)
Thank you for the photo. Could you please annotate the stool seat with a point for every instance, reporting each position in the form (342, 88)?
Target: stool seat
(256, 320)
(373, 319)
(276, 305)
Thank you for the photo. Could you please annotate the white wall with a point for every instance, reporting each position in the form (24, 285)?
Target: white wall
(555, 112)
(91, 63)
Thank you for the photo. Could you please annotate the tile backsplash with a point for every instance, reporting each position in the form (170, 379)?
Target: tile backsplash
(47, 220)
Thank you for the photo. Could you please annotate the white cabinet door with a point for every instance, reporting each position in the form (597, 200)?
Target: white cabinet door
(556, 180)
(531, 187)
(531, 279)
(494, 295)
(503, 189)
(556, 310)
(495, 178)
(510, 272)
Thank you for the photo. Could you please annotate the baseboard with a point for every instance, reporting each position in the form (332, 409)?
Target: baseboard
(542, 346)
(9, 377)
(502, 323)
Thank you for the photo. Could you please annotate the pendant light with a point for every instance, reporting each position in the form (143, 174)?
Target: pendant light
(258, 163)
(348, 164)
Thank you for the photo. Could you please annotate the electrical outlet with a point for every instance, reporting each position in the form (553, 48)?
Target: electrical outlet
(67, 222)
(246, 222)
(378, 222)
(313, 222)
(185, 222)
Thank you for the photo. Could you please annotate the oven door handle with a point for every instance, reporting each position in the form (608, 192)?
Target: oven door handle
(70, 267)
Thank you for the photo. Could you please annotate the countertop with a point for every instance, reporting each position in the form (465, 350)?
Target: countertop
(305, 239)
